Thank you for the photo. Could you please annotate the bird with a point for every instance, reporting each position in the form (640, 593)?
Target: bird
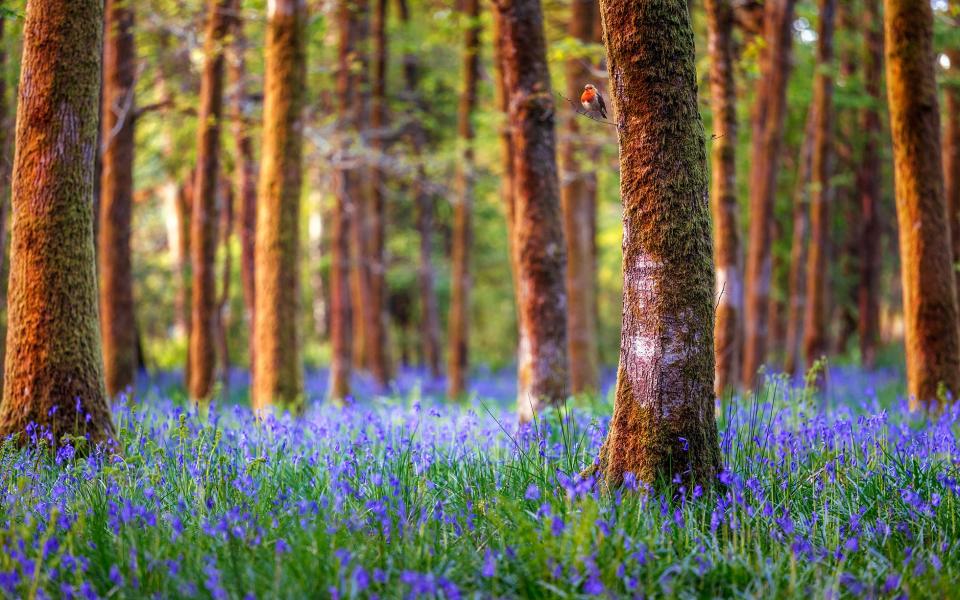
(593, 101)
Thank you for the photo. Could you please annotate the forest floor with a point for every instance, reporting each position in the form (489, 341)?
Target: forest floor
(846, 496)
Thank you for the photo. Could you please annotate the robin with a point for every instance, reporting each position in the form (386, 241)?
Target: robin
(593, 101)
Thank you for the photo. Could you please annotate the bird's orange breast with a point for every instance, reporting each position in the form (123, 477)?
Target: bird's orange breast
(587, 96)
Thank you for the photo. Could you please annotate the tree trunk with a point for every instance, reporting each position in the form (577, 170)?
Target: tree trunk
(543, 377)
(663, 418)
(118, 324)
(53, 369)
(723, 194)
(6, 128)
(203, 225)
(246, 173)
(424, 203)
(869, 185)
(768, 118)
(459, 363)
(223, 301)
(378, 354)
(816, 321)
(929, 285)
(278, 372)
(579, 203)
(184, 202)
(951, 139)
(796, 286)
(346, 195)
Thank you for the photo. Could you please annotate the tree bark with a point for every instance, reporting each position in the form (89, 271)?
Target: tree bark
(459, 325)
(222, 326)
(929, 285)
(203, 222)
(663, 418)
(797, 284)
(723, 194)
(869, 185)
(543, 377)
(6, 128)
(816, 321)
(346, 196)
(54, 367)
(951, 140)
(245, 173)
(278, 372)
(768, 117)
(579, 203)
(118, 323)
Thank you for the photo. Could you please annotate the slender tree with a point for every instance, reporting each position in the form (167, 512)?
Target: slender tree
(663, 418)
(951, 138)
(278, 373)
(203, 223)
(462, 229)
(6, 127)
(723, 194)
(346, 195)
(579, 203)
(53, 368)
(118, 325)
(543, 376)
(221, 325)
(868, 184)
(817, 318)
(929, 286)
(767, 125)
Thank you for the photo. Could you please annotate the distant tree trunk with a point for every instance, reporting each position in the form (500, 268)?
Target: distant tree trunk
(869, 186)
(929, 285)
(203, 225)
(184, 202)
(723, 194)
(246, 172)
(118, 324)
(663, 418)
(459, 363)
(579, 203)
(951, 140)
(768, 117)
(543, 377)
(817, 318)
(53, 369)
(223, 301)
(424, 203)
(378, 354)
(278, 372)
(346, 195)
(6, 127)
(796, 286)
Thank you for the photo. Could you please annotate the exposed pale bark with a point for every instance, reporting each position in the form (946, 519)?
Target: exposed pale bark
(929, 285)
(768, 117)
(278, 372)
(579, 203)
(723, 195)
(797, 283)
(869, 187)
(543, 372)
(663, 418)
(817, 318)
(203, 222)
(53, 367)
(245, 172)
(459, 325)
(424, 203)
(118, 323)
(951, 140)
(346, 195)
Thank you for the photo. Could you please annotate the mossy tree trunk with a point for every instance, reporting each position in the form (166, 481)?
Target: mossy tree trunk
(869, 180)
(459, 325)
(929, 283)
(768, 116)
(543, 377)
(118, 323)
(578, 201)
(203, 222)
(663, 418)
(54, 367)
(816, 321)
(723, 196)
(278, 372)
